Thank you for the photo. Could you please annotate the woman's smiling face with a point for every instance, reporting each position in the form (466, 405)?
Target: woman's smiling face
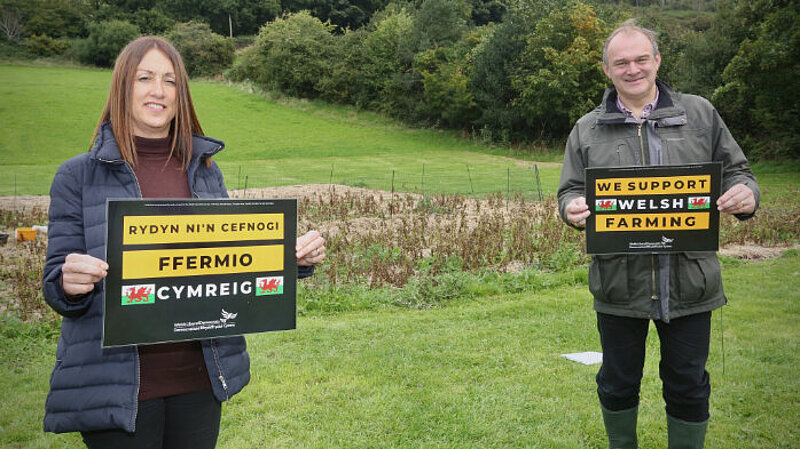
(154, 92)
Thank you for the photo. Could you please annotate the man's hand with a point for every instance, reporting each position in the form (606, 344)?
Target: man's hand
(310, 249)
(80, 272)
(739, 200)
(577, 212)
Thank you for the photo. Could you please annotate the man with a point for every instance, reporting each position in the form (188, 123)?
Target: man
(642, 121)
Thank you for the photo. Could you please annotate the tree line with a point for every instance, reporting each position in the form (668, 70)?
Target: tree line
(500, 71)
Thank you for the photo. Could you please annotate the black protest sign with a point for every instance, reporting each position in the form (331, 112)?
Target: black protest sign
(653, 209)
(193, 269)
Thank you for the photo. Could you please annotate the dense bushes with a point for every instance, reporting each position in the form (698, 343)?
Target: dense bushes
(759, 91)
(558, 77)
(387, 62)
(149, 21)
(105, 41)
(428, 66)
(501, 71)
(54, 18)
(531, 76)
(292, 54)
(204, 52)
(43, 45)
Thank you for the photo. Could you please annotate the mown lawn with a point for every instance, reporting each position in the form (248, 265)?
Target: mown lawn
(473, 374)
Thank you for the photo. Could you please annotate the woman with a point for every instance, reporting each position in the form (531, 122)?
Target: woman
(148, 144)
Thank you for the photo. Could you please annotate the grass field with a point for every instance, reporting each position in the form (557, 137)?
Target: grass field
(479, 371)
(49, 113)
(484, 373)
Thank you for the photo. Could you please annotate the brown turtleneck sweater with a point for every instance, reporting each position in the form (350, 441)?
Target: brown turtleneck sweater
(166, 369)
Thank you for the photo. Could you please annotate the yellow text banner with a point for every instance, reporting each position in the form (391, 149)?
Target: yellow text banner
(148, 264)
(149, 230)
(666, 185)
(652, 222)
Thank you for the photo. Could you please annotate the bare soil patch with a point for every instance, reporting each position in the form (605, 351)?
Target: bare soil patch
(18, 203)
(755, 252)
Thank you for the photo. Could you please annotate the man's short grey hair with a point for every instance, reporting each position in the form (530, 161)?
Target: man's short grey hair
(628, 26)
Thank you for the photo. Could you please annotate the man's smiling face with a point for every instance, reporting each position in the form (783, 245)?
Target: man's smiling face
(632, 67)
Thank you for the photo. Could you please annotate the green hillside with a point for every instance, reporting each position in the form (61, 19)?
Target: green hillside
(49, 113)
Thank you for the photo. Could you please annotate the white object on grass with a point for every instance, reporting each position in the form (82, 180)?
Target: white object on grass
(587, 358)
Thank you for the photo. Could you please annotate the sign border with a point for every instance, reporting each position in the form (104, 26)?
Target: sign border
(658, 241)
(201, 316)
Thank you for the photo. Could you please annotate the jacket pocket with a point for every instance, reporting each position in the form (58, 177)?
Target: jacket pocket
(608, 279)
(618, 152)
(690, 146)
(699, 276)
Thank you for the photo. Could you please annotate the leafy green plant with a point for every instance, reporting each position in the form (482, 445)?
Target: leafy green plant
(105, 41)
(153, 21)
(758, 83)
(44, 45)
(204, 52)
(559, 77)
(290, 54)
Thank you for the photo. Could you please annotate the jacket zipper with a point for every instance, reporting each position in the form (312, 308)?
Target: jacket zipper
(135, 179)
(641, 142)
(653, 295)
(138, 385)
(136, 352)
(221, 377)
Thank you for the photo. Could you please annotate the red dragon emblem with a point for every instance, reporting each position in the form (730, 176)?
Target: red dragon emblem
(137, 295)
(605, 205)
(271, 286)
(699, 202)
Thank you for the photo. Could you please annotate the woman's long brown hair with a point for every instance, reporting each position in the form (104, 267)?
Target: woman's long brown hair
(118, 109)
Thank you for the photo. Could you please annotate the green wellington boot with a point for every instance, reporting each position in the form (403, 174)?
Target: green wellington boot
(621, 427)
(685, 435)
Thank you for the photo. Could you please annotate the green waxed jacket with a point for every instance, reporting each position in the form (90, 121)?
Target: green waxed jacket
(682, 129)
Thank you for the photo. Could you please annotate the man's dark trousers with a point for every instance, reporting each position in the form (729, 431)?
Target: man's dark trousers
(684, 351)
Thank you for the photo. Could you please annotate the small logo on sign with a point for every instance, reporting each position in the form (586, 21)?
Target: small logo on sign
(227, 316)
(138, 294)
(699, 202)
(269, 286)
(605, 205)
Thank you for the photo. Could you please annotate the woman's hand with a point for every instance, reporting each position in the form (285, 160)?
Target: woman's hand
(310, 249)
(80, 272)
